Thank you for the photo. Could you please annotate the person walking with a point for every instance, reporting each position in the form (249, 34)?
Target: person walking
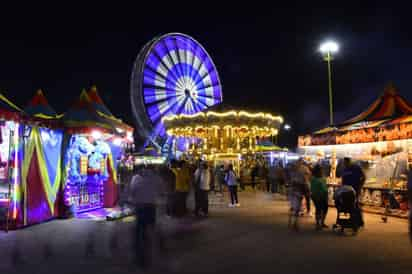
(145, 193)
(170, 183)
(353, 176)
(265, 177)
(280, 179)
(220, 178)
(254, 174)
(232, 184)
(319, 194)
(202, 187)
(299, 180)
(410, 200)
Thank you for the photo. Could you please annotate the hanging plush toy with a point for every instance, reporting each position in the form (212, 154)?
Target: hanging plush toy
(81, 148)
(98, 159)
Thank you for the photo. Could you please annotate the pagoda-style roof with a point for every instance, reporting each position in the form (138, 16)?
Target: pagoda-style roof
(39, 107)
(8, 110)
(100, 107)
(83, 116)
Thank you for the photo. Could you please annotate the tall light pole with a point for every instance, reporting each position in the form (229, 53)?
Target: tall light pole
(327, 49)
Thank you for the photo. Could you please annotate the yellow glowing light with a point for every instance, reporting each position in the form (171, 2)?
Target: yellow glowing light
(223, 114)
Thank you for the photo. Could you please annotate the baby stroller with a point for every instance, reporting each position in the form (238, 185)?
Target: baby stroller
(347, 209)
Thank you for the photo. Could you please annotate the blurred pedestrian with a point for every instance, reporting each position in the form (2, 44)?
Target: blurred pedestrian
(146, 191)
(232, 183)
(299, 176)
(353, 176)
(276, 177)
(253, 174)
(410, 200)
(170, 183)
(220, 178)
(202, 187)
(319, 194)
(265, 177)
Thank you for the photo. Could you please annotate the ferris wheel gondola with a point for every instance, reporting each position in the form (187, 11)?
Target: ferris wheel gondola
(173, 74)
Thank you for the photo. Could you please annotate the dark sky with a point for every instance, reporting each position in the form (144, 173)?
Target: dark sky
(266, 56)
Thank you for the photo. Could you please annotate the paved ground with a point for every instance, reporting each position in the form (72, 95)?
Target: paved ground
(251, 239)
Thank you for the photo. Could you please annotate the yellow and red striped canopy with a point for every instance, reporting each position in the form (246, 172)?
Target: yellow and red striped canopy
(388, 106)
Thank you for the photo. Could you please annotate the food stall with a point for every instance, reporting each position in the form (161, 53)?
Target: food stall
(380, 140)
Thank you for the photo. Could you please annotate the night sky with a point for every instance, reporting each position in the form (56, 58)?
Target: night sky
(267, 57)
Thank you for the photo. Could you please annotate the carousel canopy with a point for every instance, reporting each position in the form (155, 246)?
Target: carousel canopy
(223, 116)
(103, 110)
(82, 116)
(390, 105)
(8, 110)
(39, 107)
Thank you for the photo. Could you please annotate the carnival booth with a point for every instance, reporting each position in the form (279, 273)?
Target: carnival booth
(380, 140)
(41, 165)
(93, 144)
(11, 134)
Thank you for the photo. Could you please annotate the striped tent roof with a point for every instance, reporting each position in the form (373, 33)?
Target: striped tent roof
(103, 110)
(390, 105)
(39, 107)
(97, 102)
(82, 115)
(8, 110)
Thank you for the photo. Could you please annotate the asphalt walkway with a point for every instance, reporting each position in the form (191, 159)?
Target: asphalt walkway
(251, 239)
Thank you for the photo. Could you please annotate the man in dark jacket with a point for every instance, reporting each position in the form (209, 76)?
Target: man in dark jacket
(353, 176)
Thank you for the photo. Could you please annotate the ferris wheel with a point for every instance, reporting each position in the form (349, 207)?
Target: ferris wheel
(172, 74)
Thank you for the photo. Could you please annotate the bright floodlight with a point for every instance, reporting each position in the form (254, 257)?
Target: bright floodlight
(287, 127)
(96, 134)
(329, 46)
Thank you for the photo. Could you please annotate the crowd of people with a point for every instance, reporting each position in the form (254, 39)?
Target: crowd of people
(155, 190)
(308, 183)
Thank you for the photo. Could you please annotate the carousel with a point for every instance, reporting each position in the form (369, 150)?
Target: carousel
(380, 140)
(221, 132)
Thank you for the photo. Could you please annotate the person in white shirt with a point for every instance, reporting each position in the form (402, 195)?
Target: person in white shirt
(203, 178)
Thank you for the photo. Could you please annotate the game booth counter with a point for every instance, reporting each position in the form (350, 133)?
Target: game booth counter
(380, 141)
(94, 144)
(11, 133)
(30, 176)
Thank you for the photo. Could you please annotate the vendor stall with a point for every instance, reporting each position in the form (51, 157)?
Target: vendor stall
(379, 139)
(93, 145)
(11, 129)
(41, 164)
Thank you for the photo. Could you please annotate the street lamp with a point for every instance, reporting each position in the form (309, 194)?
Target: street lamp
(327, 49)
(287, 127)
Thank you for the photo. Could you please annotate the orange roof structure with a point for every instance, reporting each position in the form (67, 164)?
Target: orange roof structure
(390, 105)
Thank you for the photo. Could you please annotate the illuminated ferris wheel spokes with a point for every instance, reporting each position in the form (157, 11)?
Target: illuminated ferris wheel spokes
(173, 75)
